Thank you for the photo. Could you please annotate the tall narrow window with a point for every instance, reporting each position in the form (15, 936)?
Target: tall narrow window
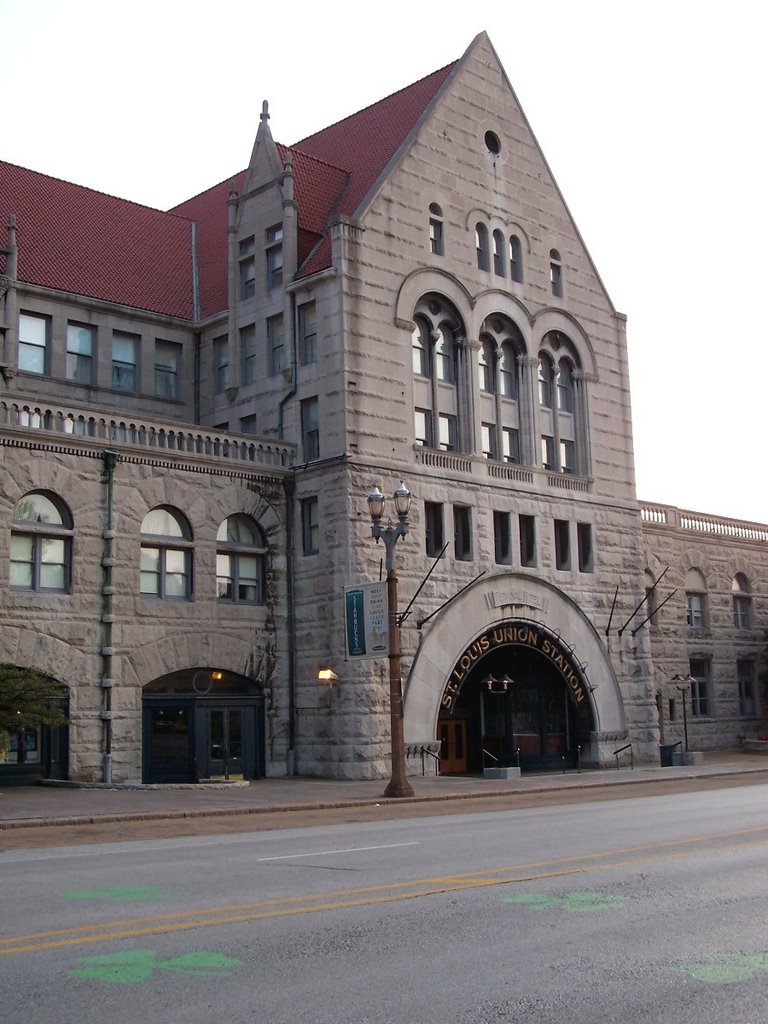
(584, 540)
(502, 539)
(307, 334)
(546, 375)
(742, 602)
(248, 354)
(435, 229)
(498, 254)
(247, 249)
(34, 341)
(488, 434)
(125, 349)
(695, 600)
(508, 371)
(167, 363)
(462, 532)
(548, 451)
(481, 246)
(274, 256)
(515, 259)
(510, 439)
(220, 364)
(485, 365)
(240, 560)
(448, 432)
(420, 350)
(445, 355)
(80, 352)
(310, 429)
(166, 554)
(567, 456)
(310, 526)
(433, 528)
(562, 544)
(699, 670)
(41, 541)
(556, 273)
(276, 345)
(423, 427)
(527, 529)
(564, 387)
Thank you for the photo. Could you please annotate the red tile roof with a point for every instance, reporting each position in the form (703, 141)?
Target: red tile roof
(77, 240)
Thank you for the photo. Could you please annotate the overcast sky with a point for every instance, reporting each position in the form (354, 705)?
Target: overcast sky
(651, 116)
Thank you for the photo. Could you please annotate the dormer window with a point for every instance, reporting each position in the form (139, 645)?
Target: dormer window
(275, 257)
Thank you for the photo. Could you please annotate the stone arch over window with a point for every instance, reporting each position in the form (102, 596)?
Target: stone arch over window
(241, 556)
(436, 234)
(41, 543)
(481, 246)
(556, 273)
(741, 593)
(166, 554)
(695, 599)
(441, 375)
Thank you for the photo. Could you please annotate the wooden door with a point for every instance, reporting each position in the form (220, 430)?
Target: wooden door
(453, 746)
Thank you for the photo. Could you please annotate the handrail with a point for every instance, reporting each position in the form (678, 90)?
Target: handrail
(627, 746)
(492, 756)
(431, 753)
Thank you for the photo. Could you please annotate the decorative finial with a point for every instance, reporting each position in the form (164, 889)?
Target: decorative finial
(265, 111)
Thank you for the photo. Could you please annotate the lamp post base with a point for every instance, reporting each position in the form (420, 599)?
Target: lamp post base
(399, 788)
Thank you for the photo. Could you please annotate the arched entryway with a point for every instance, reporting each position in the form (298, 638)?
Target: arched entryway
(515, 698)
(202, 724)
(34, 731)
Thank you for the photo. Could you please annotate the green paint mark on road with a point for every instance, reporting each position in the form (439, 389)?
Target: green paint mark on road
(726, 970)
(125, 894)
(134, 965)
(572, 901)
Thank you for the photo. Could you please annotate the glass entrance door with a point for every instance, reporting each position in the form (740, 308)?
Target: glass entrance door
(225, 743)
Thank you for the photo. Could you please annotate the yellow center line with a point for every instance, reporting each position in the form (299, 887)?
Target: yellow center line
(375, 895)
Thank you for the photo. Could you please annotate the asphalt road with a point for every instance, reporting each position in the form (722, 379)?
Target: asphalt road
(647, 909)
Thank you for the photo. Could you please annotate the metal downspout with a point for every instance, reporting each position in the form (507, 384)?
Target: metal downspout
(111, 459)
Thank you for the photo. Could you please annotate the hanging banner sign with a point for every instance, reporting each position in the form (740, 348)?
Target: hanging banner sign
(366, 621)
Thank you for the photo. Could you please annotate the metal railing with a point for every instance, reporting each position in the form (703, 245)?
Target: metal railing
(627, 746)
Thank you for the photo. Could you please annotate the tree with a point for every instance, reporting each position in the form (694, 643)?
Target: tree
(29, 698)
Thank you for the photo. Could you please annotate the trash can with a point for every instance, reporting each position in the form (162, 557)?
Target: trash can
(667, 752)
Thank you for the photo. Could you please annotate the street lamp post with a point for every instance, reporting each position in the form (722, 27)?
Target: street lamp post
(398, 785)
(683, 690)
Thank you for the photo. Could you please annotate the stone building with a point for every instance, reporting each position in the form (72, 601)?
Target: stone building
(197, 403)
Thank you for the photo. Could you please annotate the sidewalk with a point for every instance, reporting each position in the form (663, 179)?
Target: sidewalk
(25, 806)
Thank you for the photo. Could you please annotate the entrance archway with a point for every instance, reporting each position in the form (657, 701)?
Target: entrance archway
(202, 724)
(515, 698)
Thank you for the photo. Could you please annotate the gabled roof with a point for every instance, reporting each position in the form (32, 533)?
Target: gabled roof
(77, 240)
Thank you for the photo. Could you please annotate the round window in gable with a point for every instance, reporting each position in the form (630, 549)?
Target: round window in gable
(493, 143)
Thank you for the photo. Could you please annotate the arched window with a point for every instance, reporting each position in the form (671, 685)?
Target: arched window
(241, 553)
(508, 371)
(556, 273)
(498, 254)
(445, 355)
(436, 229)
(564, 387)
(695, 600)
(481, 244)
(486, 359)
(515, 259)
(420, 349)
(546, 379)
(439, 404)
(166, 554)
(742, 602)
(41, 544)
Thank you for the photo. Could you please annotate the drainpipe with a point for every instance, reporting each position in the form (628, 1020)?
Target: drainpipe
(289, 485)
(9, 350)
(111, 459)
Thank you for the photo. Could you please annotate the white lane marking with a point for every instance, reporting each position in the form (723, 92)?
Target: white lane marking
(328, 853)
